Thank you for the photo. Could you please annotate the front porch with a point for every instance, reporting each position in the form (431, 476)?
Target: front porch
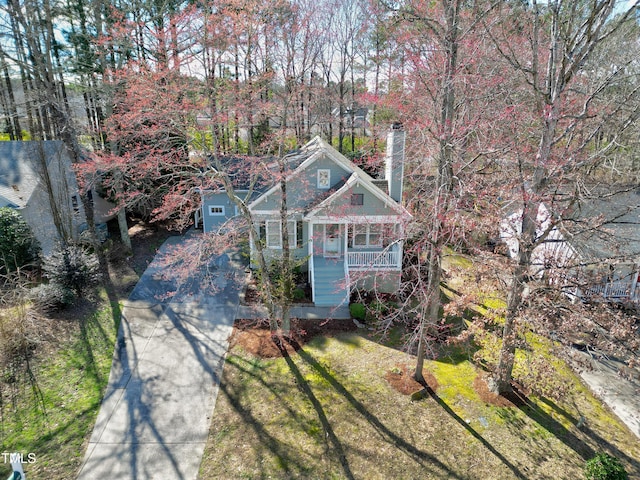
(342, 253)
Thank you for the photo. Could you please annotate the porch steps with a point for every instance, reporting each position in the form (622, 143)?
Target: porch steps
(330, 284)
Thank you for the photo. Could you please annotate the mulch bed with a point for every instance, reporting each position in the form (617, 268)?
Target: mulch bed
(255, 337)
(401, 380)
(517, 398)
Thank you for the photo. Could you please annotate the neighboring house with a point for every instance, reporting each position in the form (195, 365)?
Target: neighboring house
(344, 226)
(358, 118)
(36, 178)
(593, 251)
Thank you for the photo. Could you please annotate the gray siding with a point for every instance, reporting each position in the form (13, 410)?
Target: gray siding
(372, 205)
(38, 212)
(210, 222)
(39, 217)
(303, 189)
(297, 253)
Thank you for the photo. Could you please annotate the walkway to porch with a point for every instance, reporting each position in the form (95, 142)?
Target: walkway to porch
(329, 282)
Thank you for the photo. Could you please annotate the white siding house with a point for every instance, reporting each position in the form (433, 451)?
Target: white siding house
(592, 251)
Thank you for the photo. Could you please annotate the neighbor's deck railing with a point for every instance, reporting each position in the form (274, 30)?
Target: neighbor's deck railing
(610, 290)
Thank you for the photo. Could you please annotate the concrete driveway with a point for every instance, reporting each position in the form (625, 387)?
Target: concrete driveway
(154, 419)
(619, 393)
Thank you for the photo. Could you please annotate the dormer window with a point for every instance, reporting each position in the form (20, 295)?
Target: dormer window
(324, 178)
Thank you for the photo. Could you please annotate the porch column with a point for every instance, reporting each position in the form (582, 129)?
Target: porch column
(346, 243)
(399, 235)
(310, 272)
(634, 284)
(346, 262)
(252, 249)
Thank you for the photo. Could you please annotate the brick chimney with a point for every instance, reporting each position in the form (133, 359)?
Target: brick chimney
(394, 161)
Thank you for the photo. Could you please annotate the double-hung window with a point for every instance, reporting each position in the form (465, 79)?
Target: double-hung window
(375, 235)
(367, 235)
(273, 233)
(359, 236)
(75, 204)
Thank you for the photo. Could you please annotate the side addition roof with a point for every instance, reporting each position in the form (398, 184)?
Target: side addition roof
(607, 227)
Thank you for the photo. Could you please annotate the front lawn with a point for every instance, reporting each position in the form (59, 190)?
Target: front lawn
(327, 412)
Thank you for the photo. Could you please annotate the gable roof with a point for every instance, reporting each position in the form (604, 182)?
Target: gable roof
(242, 172)
(351, 182)
(314, 150)
(19, 168)
(606, 227)
(299, 160)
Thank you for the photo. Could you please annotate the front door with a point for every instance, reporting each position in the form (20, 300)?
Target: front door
(332, 240)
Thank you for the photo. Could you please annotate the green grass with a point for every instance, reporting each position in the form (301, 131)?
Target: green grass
(328, 412)
(52, 416)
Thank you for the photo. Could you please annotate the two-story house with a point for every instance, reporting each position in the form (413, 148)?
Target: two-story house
(591, 251)
(346, 227)
(36, 178)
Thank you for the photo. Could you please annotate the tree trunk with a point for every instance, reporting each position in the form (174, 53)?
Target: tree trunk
(124, 229)
(565, 59)
(500, 382)
(432, 310)
(444, 177)
(58, 208)
(285, 296)
(15, 130)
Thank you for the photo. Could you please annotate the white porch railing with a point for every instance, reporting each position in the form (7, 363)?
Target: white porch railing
(388, 260)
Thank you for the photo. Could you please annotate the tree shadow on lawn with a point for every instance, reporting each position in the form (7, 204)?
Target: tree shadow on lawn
(537, 414)
(90, 327)
(317, 405)
(426, 460)
(285, 455)
(428, 391)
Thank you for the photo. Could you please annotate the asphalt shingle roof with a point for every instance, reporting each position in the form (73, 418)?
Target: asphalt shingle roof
(19, 175)
(606, 226)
